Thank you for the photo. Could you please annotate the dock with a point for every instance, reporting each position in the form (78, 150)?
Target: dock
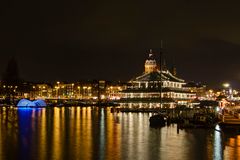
(229, 119)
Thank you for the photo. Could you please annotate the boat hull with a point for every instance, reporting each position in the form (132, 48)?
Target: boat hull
(157, 121)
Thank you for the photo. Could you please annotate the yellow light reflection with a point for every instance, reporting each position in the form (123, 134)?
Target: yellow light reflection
(57, 152)
(238, 146)
(85, 134)
(113, 137)
(78, 132)
(43, 136)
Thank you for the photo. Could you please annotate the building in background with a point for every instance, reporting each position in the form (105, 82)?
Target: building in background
(199, 89)
(147, 87)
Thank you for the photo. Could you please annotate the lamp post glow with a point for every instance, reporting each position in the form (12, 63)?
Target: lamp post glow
(226, 85)
(40, 91)
(72, 90)
(89, 92)
(84, 91)
(79, 95)
(33, 92)
(228, 91)
(57, 89)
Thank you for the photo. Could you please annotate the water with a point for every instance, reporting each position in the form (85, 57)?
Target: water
(95, 133)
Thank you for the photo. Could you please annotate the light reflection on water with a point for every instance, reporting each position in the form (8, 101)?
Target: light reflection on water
(217, 145)
(95, 133)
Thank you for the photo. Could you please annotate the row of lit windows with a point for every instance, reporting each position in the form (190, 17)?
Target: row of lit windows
(155, 85)
(157, 95)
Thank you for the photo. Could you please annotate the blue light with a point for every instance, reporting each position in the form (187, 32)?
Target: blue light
(28, 103)
(23, 103)
(24, 108)
(40, 103)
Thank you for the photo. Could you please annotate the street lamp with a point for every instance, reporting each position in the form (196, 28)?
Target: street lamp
(226, 85)
(40, 91)
(89, 93)
(33, 92)
(84, 92)
(228, 89)
(78, 92)
(56, 87)
(72, 89)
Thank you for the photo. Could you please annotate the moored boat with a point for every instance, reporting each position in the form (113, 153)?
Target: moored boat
(157, 120)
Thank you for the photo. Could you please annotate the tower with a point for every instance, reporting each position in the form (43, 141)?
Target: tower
(150, 63)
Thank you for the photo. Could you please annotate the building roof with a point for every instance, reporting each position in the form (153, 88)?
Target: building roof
(194, 84)
(155, 76)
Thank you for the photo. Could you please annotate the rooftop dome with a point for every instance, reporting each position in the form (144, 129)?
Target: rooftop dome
(150, 63)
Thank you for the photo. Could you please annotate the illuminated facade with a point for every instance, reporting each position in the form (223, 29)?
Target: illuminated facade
(153, 82)
(72, 90)
(41, 90)
(200, 90)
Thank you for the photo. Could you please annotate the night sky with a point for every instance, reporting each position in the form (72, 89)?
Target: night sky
(83, 40)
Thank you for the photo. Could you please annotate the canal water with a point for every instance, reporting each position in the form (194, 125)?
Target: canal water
(96, 133)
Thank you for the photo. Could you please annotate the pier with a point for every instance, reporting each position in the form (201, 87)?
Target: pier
(230, 117)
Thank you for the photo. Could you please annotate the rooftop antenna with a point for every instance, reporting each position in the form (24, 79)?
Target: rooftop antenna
(150, 53)
(161, 48)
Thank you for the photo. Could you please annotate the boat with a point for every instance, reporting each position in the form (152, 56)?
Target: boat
(199, 120)
(157, 120)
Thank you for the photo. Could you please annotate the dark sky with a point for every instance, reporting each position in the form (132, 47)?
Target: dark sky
(76, 40)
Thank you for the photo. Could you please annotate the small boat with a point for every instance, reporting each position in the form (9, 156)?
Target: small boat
(199, 120)
(157, 120)
(202, 119)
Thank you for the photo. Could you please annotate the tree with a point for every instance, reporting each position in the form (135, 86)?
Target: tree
(10, 80)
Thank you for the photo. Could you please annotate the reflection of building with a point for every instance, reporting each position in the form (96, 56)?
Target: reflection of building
(148, 86)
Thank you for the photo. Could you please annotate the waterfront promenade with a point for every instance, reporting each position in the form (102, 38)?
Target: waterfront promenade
(231, 116)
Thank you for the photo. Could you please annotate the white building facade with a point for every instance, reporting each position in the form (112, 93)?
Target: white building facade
(153, 82)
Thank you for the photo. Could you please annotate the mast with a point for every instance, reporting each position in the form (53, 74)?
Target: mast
(161, 75)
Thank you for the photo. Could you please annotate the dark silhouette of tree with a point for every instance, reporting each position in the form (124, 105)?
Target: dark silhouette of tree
(10, 80)
(11, 75)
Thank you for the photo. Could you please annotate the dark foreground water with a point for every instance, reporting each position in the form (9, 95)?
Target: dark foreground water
(94, 133)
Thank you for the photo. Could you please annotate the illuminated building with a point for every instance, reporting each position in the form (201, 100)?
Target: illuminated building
(148, 86)
(200, 90)
(42, 90)
(113, 91)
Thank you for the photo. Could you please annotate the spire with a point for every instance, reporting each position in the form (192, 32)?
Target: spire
(174, 69)
(150, 54)
(160, 66)
(164, 66)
